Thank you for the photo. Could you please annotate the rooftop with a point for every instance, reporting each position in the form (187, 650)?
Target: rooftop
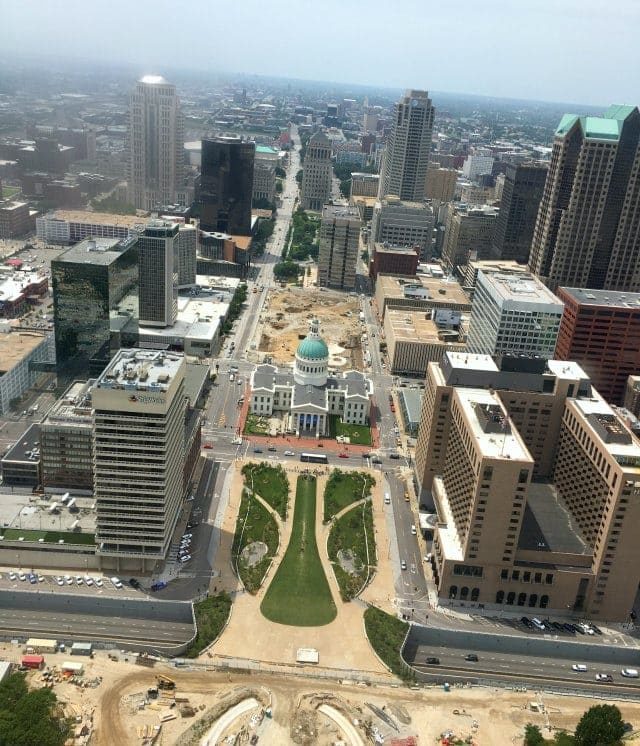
(14, 285)
(98, 218)
(440, 291)
(609, 430)
(413, 326)
(154, 80)
(493, 442)
(547, 526)
(412, 399)
(73, 407)
(100, 251)
(604, 298)
(152, 369)
(385, 248)
(607, 127)
(340, 211)
(14, 346)
(520, 288)
(25, 444)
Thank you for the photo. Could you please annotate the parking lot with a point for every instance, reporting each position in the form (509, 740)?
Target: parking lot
(68, 582)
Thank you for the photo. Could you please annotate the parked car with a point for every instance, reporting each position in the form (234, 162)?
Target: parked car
(185, 558)
(568, 628)
(272, 449)
(257, 450)
(527, 622)
(394, 455)
(413, 530)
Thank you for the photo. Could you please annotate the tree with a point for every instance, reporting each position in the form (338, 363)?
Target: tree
(279, 186)
(601, 725)
(532, 735)
(286, 270)
(29, 717)
(280, 172)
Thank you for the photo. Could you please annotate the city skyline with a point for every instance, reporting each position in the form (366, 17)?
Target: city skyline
(571, 33)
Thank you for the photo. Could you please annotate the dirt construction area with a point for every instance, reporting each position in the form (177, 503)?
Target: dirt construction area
(119, 702)
(224, 707)
(285, 321)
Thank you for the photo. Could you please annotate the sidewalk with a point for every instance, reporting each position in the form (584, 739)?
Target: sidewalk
(341, 644)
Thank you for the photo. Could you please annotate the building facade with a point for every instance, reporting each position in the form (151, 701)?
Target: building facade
(600, 330)
(441, 183)
(364, 185)
(477, 165)
(408, 148)
(158, 257)
(72, 226)
(586, 233)
(315, 190)
(187, 255)
(513, 314)
(511, 531)
(66, 441)
(520, 200)
(155, 143)
(339, 242)
(393, 260)
(15, 218)
(20, 354)
(400, 223)
(264, 174)
(89, 280)
(140, 411)
(226, 185)
(468, 234)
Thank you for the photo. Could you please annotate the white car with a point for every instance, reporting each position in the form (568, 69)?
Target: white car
(60, 581)
(79, 580)
(21, 576)
(289, 453)
(185, 558)
(88, 580)
(630, 673)
(579, 667)
(116, 582)
(413, 530)
(403, 565)
(68, 581)
(187, 536)
(98, 582)
(12, 576)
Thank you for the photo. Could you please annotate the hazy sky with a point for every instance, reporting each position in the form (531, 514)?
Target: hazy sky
(584, 51)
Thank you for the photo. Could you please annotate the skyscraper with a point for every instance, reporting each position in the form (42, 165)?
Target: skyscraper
(89, 280)
(156, 142)
(338, 254)
(521, 195)
(513, 314)
(407, 153)
(468, 234)
(226, 185)
(587, 232)
(158, 257)
(315, 190)
(139, 455)
(532, 478)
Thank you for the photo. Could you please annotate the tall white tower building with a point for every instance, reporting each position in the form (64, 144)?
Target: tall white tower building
(139, 454)
(407, 153)
(156, 142)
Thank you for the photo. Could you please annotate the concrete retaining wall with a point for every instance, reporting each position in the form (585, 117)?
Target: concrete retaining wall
(581, 650)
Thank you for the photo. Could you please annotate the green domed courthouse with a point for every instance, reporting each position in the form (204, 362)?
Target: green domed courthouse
(307, 395)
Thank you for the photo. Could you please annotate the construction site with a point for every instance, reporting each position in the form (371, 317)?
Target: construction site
(285, 321)
(131, 700)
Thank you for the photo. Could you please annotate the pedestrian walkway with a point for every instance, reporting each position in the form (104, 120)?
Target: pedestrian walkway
(341, 644)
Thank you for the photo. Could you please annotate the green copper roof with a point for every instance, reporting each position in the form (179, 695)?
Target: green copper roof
(265, 149)
(619, 111)
(607, 127)
(312, 349)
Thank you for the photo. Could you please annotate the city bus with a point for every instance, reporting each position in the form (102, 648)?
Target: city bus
(314, 458)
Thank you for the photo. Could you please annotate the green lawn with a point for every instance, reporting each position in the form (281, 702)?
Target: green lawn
(271, 483)
(9, 191)
(50, 537)
(259, 526)
(344, 488)
(348, 533)
(386, 634)
(359, 435)
(256, 425)
(299, 594)
(211, 616)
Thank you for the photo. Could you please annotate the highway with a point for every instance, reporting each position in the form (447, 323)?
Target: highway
(93, 627)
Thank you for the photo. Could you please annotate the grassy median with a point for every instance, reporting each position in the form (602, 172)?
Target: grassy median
(299, 594)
